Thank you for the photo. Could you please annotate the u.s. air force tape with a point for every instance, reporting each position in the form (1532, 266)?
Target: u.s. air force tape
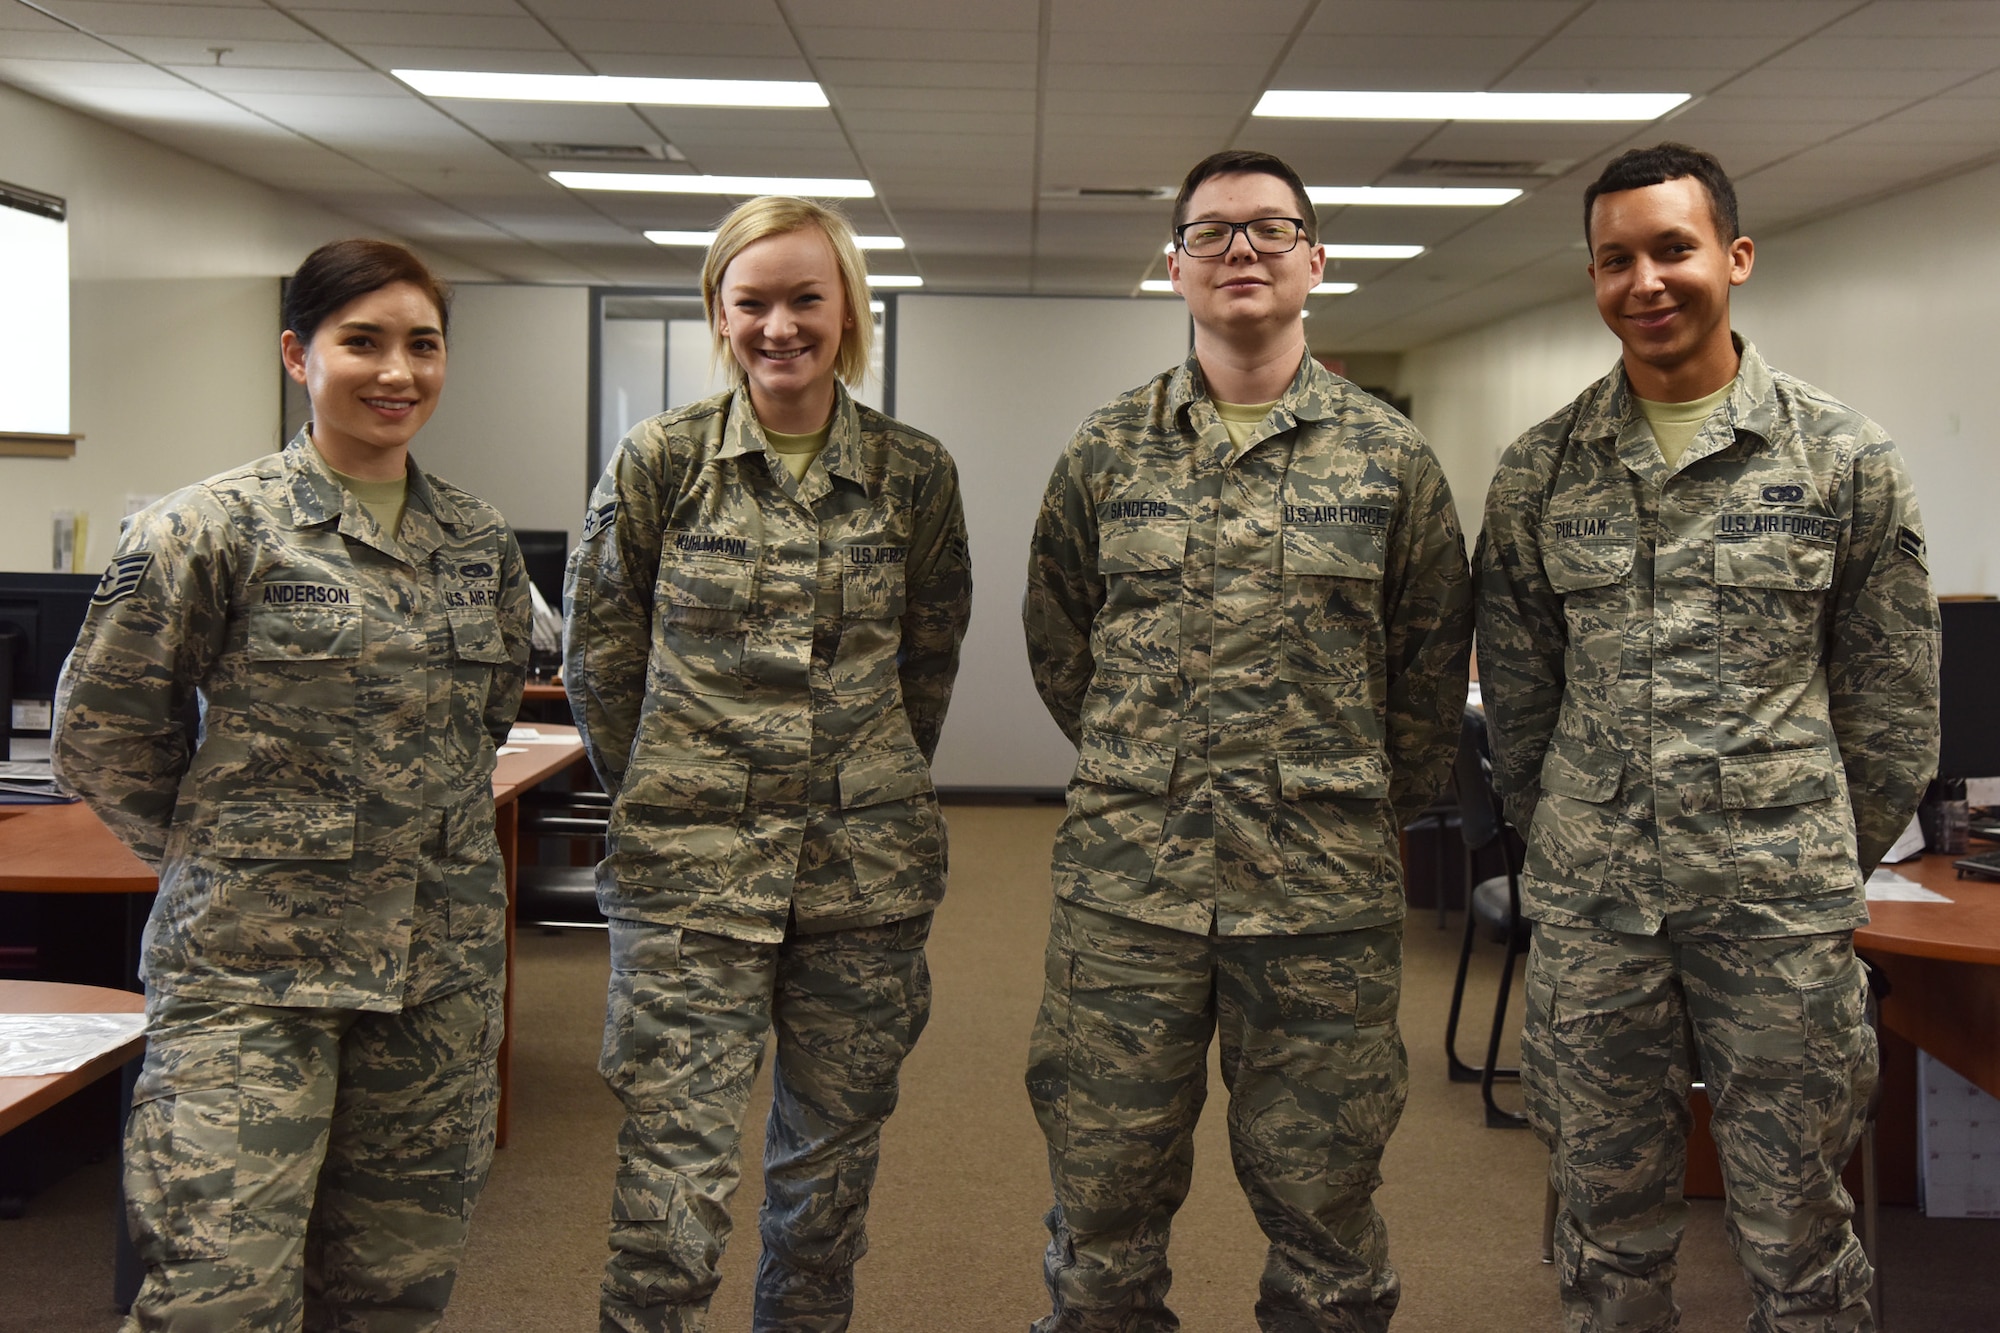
(122, 579)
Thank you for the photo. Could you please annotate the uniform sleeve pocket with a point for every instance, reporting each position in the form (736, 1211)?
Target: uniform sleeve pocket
(476, 637)
(1586, 775)
(1136, 548)
(1341, 552)
(888, 775)
(1773, 560)
(687, 784)
(1359, 775)
(1788, 777)
(1572, 566)
(303, 634)
(1120, 761)
(284, 831)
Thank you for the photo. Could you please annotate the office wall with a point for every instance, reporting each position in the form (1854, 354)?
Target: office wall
(1888, 307)
(1003, 381)
(513, 426)
(174, 268)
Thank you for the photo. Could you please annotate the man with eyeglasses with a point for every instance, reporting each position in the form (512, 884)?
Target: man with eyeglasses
(1249, 608)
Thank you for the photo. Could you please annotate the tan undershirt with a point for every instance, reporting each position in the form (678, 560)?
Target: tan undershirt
(1239, 419)
(1676, 424)
(797, 452)
(384, 500)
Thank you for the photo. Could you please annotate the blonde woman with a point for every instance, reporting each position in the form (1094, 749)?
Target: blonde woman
(764, 624)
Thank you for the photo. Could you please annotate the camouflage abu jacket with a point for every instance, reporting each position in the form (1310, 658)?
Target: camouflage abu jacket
(760, 669)
(329, 842)
(1259, 653)
(1712, 690)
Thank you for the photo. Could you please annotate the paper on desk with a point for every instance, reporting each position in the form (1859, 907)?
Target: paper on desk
(511, 749)
(1886, 886)
(32, 1045)
(520, 733)
(1909, 845)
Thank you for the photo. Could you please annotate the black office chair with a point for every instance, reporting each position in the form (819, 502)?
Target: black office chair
(557, 896)
(1494, 905)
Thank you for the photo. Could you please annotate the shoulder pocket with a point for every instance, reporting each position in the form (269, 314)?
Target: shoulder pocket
(1572, 566)
(476, 637)
(1133, 548)
(1773, 560)
(1586, 775)
(1120, 761)
(887, 775)
(1351, 552)
(284, 830)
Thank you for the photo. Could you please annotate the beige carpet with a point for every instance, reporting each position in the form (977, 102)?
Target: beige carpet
(955, 1224)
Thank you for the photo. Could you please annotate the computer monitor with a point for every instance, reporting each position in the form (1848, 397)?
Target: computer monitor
(546, 554)
(40, 617)
(1969, 706)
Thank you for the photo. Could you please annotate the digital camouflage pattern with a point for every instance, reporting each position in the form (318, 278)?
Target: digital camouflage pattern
(1712, 689)
(1259, 651)
(1317, 1077)
(1790, 1067)
(760, 668)
(329, 842)
(689, 1015)
(256, 1207)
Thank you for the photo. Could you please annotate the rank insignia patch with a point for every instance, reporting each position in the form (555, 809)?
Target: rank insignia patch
(122, 579)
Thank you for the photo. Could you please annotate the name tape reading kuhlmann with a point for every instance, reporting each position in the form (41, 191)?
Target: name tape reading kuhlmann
(711, 542)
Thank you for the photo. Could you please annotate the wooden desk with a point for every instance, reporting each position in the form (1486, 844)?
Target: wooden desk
(67, 849)
(544, 692)
(21, 1099)
(1942, 961)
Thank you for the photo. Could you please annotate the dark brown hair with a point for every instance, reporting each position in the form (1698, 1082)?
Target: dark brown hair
(340, 271)
(1242, 162)
(1643, 167)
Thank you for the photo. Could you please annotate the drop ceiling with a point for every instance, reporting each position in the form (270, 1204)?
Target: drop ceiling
(1011, 142)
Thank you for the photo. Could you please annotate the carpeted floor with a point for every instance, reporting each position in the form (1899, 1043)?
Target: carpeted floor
(955, 1225)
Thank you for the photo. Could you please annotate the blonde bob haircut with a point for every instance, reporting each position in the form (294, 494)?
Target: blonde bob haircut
(776, 215)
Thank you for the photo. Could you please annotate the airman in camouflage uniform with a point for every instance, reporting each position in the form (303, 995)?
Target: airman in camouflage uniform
(1258, 646)
(760, 667)
(330, 920)
(1712, 690)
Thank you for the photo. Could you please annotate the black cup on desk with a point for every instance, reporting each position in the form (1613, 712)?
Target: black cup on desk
(1944, 817)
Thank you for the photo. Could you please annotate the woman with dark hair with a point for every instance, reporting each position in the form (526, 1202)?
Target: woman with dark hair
(323, 965)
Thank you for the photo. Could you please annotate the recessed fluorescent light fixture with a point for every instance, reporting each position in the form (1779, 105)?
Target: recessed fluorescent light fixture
(704, 239)
(1324, 289)
(608, 88)
(818, 187)
(1411, 196)
(894, 280)
(1372, 251)
(1304, 105)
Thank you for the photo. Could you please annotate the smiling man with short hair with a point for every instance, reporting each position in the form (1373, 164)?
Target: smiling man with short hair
(1249, 608)
(1708, 650)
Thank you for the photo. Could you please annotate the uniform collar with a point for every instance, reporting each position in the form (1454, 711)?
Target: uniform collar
(317, 497)
(842, 457)
(1611, 414)
(1313, 395)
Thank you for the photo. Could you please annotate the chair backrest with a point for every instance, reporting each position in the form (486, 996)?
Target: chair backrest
(1480, 817)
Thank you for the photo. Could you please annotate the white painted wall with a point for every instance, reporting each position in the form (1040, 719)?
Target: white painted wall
(513, 426)
(1887, 307)
(1004, 382)
(174, 268)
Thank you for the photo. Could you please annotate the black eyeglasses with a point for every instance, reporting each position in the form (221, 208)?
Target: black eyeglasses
(1267, 236)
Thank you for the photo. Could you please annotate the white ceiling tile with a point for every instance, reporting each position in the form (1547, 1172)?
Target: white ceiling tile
(237, 52)
(928, 73)
(670, 36)
(1457, 59)
(684, 13)
(1008, 15)
(969, 43)
(58, 43)
(231, 80)
(505, 32)
(552, 60)
(1655, 24)
(139, 18)
(1198, 19)
(945, 101)
(1967, 55)
(1775, 81)
(1923, 18)
(85, 75)
(662, 65)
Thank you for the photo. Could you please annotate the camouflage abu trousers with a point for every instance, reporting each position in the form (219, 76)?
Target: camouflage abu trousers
(307, 1168)
(1790, 1067)
(683, 1037)
(1317, 1077)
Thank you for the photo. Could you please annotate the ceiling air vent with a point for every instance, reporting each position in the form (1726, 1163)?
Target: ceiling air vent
(1465, 168)
(1141, 192)
(598, 152)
